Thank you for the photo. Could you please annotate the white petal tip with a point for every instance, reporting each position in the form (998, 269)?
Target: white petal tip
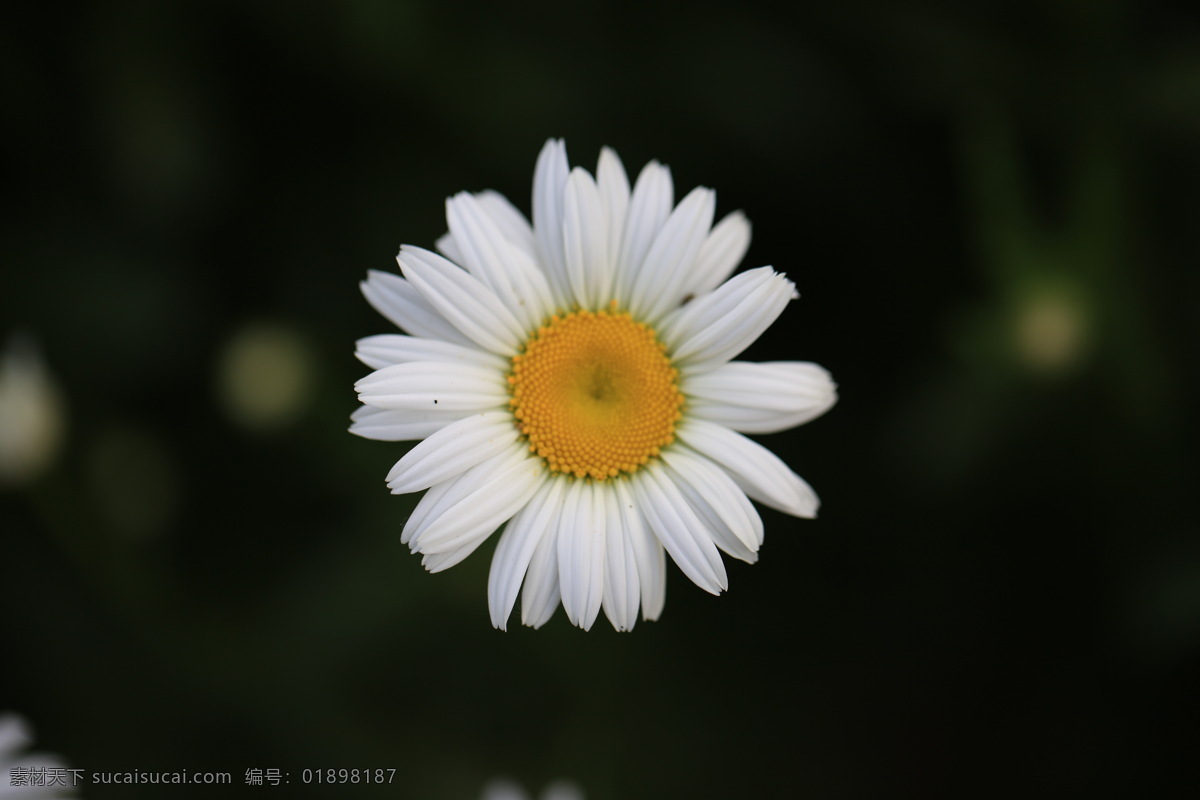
(806, 507)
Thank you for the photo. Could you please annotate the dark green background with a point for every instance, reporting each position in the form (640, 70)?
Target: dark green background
(1002, 593)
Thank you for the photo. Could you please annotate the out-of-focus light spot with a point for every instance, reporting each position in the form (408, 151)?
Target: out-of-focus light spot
(134, 480)
(1051, 330)
(505, 789)
(562, 790)
(15, 738)
(32, 415)
(264, 376)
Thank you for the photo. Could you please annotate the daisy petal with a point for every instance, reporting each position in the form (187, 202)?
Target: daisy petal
(511, 222)
(549, 186)
(500, 265)
(723, 250)
(521, 537)
(660, 281)
(508, 220)
(435, 502)
(387, 349)
(581, 552)
(649, 207)
(621, 585)
(432, 385)
(736, 527)
(761, 398)
(463, 300)
(614, 196)
(651, 559)
(681, 532)
(452, 451)
(475, 503)
(398, 425)
(759, 472)
(436, 562)
(399, 301)
(714, 328)
(585, 241)
(540, 595)
(449, 248)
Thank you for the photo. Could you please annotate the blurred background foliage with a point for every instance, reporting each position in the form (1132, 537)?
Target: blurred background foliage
(989, 209)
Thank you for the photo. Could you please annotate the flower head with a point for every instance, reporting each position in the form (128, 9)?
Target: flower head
(572, 381)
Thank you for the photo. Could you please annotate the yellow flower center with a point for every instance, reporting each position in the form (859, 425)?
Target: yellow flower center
(595, 394)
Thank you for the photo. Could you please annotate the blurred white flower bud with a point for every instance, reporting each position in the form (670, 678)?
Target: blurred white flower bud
(32, 415)
(29, 776)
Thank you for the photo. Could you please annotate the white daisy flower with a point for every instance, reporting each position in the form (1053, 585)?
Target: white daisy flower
(572, 381)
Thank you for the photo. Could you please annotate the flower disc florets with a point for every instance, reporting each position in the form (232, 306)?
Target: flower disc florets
(594, 393)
